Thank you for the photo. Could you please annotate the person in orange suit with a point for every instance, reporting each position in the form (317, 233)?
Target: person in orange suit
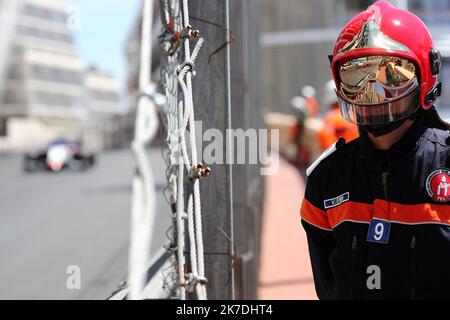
(334, 125)
(309, 93)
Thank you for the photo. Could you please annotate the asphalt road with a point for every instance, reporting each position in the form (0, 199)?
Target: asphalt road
(50, 221)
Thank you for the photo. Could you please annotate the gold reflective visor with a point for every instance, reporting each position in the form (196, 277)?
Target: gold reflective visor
(377, 89)
(378, 114)
(375, 79)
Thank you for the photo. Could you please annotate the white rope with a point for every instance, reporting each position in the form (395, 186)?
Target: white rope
(193, 247)
(179, 117)
(173, 120)
(143, 205)
(187, 91)
(180, 224)
(197, 201)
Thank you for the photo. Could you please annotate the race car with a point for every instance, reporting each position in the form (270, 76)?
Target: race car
(59, 155)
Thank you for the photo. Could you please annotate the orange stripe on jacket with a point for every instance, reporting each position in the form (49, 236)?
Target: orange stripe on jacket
(350, 210)
(314, 215)
(418, 213)
(401, 213)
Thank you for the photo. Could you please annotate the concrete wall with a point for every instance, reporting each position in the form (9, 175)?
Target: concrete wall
(226, 95)
(287, 68)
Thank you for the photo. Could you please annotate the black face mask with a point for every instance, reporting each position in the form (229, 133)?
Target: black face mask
(383, 129)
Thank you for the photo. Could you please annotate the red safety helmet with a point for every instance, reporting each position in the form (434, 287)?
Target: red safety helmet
(384, 38)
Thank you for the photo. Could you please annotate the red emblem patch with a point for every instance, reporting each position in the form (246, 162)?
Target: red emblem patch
(438, 185)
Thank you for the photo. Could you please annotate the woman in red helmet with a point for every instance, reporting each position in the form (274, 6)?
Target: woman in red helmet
(376, 210)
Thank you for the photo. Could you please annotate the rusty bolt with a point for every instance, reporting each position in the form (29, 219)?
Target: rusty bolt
(195, 33)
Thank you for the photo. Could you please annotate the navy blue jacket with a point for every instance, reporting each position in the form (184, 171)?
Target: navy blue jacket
(406, 187)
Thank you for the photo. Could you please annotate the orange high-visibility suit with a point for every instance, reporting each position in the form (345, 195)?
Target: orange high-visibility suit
(335, 127)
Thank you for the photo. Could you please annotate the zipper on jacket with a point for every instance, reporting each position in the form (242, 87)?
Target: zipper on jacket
(413, 266)
(352, 271)
(354, 243)
(384, 183)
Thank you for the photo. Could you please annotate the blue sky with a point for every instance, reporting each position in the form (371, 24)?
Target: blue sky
(104, 26)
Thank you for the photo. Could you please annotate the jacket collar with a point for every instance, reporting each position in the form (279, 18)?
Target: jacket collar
(407, 144)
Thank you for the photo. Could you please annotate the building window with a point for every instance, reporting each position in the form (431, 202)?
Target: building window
(15, 72)
(57, 75)
(55, 99)
(3, 124)
(44, 34)
(104, 95)
(13, 96)
(44, 13)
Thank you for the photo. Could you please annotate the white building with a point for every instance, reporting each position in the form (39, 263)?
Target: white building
(107, 121)
(41, 77)
(45, 90)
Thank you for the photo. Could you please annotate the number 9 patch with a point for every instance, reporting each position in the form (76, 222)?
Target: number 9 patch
(379, 231)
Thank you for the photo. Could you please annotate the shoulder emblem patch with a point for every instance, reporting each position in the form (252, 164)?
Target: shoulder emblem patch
(438, 185)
